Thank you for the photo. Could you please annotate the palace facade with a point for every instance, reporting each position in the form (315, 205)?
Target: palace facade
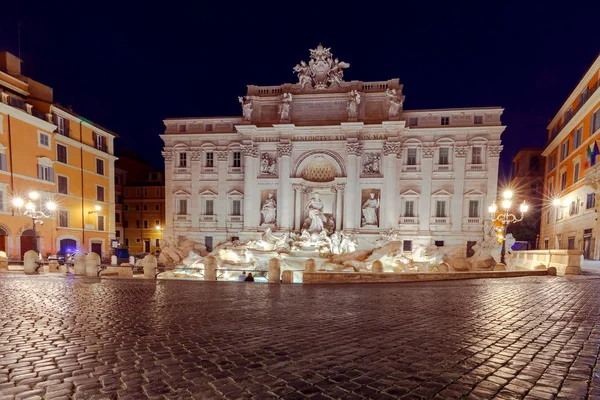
(329, 155)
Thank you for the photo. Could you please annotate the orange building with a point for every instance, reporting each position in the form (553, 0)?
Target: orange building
(569, 212)
(65, 158)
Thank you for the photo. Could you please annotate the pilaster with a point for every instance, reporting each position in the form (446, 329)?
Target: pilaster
(169, 211)
(352, 209)
(221, 205)
(425, 197)
(457, 207)
(285, 203)
(196, 165)
(391, 190)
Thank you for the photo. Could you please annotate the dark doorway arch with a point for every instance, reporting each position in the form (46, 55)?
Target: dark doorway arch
(3, 240)
(68, 246)
(26, 241)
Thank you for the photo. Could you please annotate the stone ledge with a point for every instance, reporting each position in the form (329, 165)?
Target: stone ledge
(390, 277)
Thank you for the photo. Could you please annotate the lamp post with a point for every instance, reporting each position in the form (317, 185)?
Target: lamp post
(32, 212)
(506, 218)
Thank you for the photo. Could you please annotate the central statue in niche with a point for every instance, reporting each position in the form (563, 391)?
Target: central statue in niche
(316, 218)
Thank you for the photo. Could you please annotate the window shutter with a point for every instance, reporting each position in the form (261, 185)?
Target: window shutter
(95, 137)
(51, 174)
(67, 124)
(3, 162)
(54, 119)
(40, 173)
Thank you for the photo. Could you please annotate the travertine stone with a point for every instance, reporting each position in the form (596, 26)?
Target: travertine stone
(3, 261)
(444, 267)
(29, 259)
(377, 267)
(551, 271)
(150, 264)
(92, 261)
(53, 266)
(310, 265)
(500, 267)
(287, 276)
(210, 268)
(274, 270)
(79, 264)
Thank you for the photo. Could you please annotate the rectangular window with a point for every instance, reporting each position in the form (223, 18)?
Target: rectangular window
(571, 243)
(559, 213)
(564, 152)
(568, 115)
(210, 159)
(62, 125)
(440, 209)
(577, 137)
(409, 208)
(546, 243)
(127, 242)
(145, 224)
(45, 173)
(237, 159)
(476, 155)
(145, 192)
(583, 97)
(445, 120)
(552, 162)
(157, 192)
(413, 121)
(573, 209)
(43, 140)
(533, 189)
(209, 207)
(157, 207)
(182, 206)
(99, 166)
(2, 198)
(100, 222)
(99, 141)
(563, 181)
(157, 223)
(63, 184)
(478, 120)
(145, 207)
(237, 207)
(157, 243)
(61, 153)
(117, 217)
(100, 193)
(407, 245)
(137, 224)
(125, 223)
(63, 218)
(137, 207)
(411, 158)
(182, 160)
(473, 208)
(576, 173)
(3, 164)
(595, 125)
(444, 156)
(590, 201)
(548, 217)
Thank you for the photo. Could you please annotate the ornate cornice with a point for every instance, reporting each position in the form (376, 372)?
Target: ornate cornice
(250, 150)
(354, 149)
(428, 152)
(222, 155)
(284, 149)
(390, 148)
(167, 155)
(494, 151)
(196, 155)
(461, 151)
(340, 187)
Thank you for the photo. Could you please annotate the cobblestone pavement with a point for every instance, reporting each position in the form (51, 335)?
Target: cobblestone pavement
(534, 338)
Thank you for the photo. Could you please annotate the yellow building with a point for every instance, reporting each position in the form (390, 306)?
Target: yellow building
(143, 206)
(67, 159)
(569, 212)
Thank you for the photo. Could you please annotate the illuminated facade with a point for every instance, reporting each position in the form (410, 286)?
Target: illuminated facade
(64, 157)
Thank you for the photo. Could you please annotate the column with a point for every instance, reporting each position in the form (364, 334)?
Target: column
(286, 202)
(492, 181)
(169, 200)
(221, 205)
(425, 197)
(195, 207)
(297, 206)
(458, 200)
(339, 205)
(352, 206)
(255, 206)
(391, 191)
(249, 180)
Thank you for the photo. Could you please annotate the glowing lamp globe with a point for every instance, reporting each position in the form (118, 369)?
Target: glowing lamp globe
(493, 208)
(507, 194)
(18, 202)
(524, 207)
(556, 202)
(34, 195)
(506, 204)
(29, 206)
(97, 208)
(51, 206)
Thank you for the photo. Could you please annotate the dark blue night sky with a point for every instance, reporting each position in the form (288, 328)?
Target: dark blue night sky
(129, 66)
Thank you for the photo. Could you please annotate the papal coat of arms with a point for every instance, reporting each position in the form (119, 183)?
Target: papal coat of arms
(322, 71)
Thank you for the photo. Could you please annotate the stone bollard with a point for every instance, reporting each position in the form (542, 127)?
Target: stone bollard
(572, 270)
(274, 270)
(79, 264)
(500, 267)
(210, 268)
(539, 267)
(53, 266)
(377, 267)
(287, 276)
(150, 265)
(29, 262)
(3, 260)
(92, 261)
(310, 265)
(132, 260)
(113, 260)
(444, 267)
(551, 271)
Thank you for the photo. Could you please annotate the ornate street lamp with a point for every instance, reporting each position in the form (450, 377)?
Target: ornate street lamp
(31, 211)
(506, 218)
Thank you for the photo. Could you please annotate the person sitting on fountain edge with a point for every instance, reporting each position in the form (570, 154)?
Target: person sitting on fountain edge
(250, 278)
(242, 277)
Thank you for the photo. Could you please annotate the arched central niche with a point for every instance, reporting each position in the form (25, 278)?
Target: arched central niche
(319, 166)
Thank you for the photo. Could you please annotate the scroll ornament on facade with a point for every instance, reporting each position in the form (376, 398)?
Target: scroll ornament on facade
(222, 155)
(494, 151)
(461, 151)
(322, 71)
(354, 149)
(285, 105)
(167, 155)
(284, 149)
(391, 148)
(196, 155)
(428, 152)
(353, 103)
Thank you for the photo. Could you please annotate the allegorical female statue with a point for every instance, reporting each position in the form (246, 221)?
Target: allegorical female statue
(315, 213)
(369, 210)
(269, 210)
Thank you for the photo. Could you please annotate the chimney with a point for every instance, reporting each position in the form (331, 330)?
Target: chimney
(10, 64)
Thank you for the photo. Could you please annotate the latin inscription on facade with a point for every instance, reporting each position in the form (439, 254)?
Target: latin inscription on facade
(320, 109)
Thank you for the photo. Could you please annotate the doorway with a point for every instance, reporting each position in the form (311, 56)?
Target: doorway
(208, 242)
(68, 246)
(26, 241)
(3, 239)
(587, 244)
(97, 248)
(146, 245)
